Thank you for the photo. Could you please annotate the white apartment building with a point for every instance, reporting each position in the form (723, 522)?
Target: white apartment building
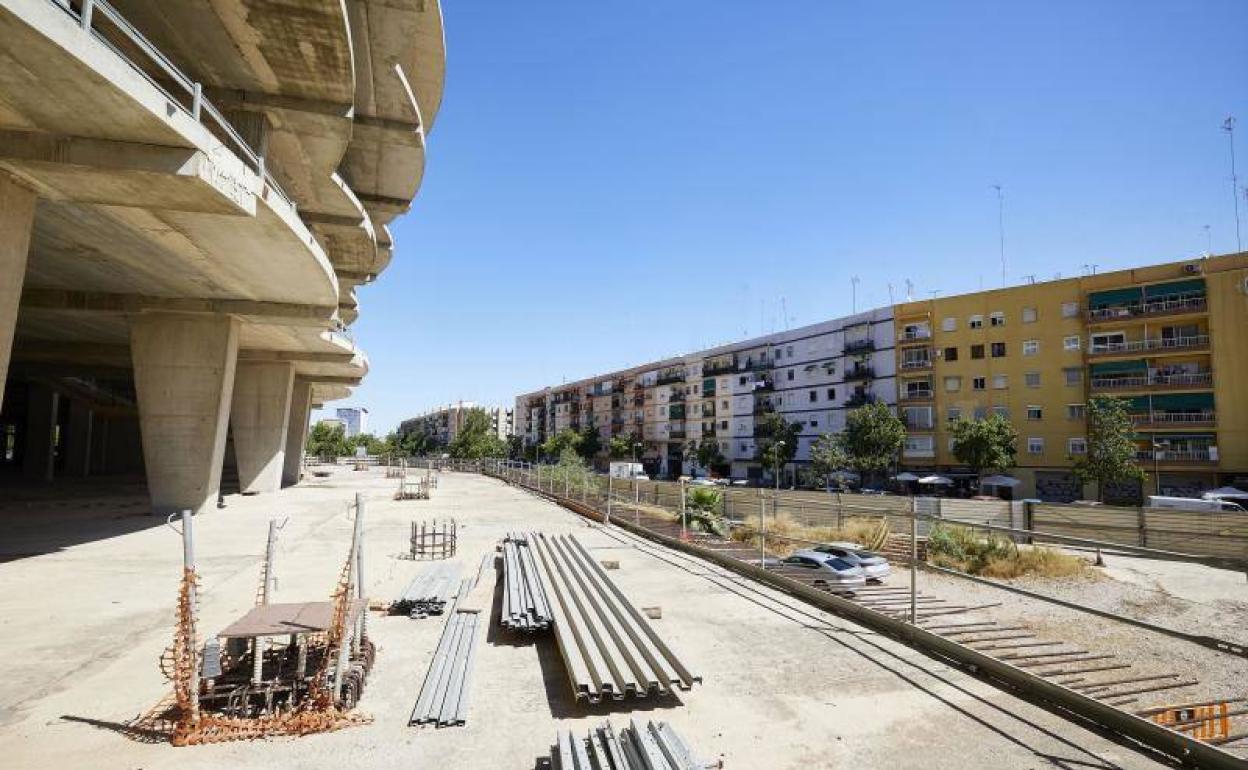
(354, 419)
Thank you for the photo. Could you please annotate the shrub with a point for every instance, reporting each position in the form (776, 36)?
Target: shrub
(962, 549)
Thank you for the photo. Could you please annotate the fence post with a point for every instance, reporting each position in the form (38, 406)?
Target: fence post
(762, 528)
(608, 519)
(684, 533)
(914, 564)
(1143, 525)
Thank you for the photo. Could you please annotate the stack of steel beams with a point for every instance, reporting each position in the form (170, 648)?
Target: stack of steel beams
(654, 747)
(429, 592)
(525, 607)
(443, 698)
(608, 646)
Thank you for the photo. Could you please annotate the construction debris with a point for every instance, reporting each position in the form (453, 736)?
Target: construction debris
(608, 646)
(654, 747)
(525, 606)
(443, 699)
(436, 540)
(429, 592)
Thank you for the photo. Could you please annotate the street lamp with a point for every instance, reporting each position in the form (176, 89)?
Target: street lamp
(778, 446)
(1157, 447)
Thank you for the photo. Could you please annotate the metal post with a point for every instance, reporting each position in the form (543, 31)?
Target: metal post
(87, 7)
(684, 522)
(340, 669)
(914, 564)
(636, 501)
(258, 644)
(192, 643)
(359, 571)
(608, 519)
(762, 528)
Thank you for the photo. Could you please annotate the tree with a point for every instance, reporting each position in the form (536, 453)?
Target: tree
(705, 454)
(621, 447)
(565, 439)
(372, 445)
(872, 438)
(770, 431)
(827, 457)
(704, 511)
(476, 438)
(591, 442)
(1111, 445)
(327, 440)
(987, 444)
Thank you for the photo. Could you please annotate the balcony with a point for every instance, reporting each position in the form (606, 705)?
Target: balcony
(917, 394)
(911, 364)
(910, 335)
(763, 407)
(711, 431)
(676, 413)
(860, 399)
(639, 400)
(859, 373)
(764, 384)
(1154, 343)
(677, 397)
(1196, 304)
(1201, 455)
(708, 410)
(722, 367)
(1136, 382)
(859, 346)
(756, 366)
(1173, 419)
(670, 378)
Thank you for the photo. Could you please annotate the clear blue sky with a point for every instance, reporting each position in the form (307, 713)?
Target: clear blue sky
(613, 182)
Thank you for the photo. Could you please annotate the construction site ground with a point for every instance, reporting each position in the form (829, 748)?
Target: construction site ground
(87, 608)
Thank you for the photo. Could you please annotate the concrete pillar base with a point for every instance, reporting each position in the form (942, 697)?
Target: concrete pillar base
(78, 442)
(297, 432)
(17, 217)
(259, 415)
(42, 413)
(184, 378)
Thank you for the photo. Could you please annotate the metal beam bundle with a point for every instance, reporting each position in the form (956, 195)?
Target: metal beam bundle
(654, 747)
(608, 646)
(429, 592)
(525, 606)
(443, 697)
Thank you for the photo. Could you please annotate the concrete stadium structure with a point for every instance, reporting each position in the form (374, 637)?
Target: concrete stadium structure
(190, 194)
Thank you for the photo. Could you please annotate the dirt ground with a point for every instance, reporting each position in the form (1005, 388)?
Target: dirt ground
(87, 606)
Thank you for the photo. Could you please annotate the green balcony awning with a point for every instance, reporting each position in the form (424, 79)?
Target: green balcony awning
(1183, 401)
(1175, 288)
(1137, 403)
(1111, 297)
(1119, 367)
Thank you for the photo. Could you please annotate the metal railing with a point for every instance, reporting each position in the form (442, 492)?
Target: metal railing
(1176, 418)
(917, 363)
(917, 395)
(1175, 455)
(1156, 307)
(89, 13)
(859, 373)
(1150, 343)
(857, 346)
(1197, 379)
(915, 334)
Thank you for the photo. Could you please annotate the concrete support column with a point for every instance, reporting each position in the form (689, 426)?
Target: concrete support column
(184, 378)
(42, 411)
(259, 415)
(79, 441)
(17, 216)
(297, 431)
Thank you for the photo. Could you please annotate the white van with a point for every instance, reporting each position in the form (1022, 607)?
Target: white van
(1192, 504)
(629, 471)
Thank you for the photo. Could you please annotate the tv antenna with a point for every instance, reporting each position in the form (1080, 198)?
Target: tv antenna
(1001, 228)
(853, 284)
(1228, 126)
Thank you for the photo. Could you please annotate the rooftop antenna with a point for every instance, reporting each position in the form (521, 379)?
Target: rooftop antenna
(890, 294)
(1228, 126)
(909, 290)
(1031, 279)
(853, 282)
(1209, 238)
(1001, 228)
(784, 313)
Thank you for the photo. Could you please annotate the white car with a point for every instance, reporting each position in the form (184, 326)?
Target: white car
(838, 574)
(874, 566)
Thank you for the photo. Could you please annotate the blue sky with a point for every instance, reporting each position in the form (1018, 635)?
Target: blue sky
(613, 182)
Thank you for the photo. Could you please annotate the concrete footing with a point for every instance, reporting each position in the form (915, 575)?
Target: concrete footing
(17, 216)
(259, 417)
(42, 413)
(297, 431)
(184, 378)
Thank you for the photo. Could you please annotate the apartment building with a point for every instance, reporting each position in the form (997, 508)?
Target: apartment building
(355, 418)
(811, 375)
(1169, 338)
(443, 423)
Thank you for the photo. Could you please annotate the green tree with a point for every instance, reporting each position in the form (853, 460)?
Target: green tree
(327, 439)
(1111, 445)
(704, 511)
(564, 439)
(621, 447)
(988, 444)
(476, 438)
(872, 438)
(827, 457)
(591, 442)
(776, 441)
(705, 454)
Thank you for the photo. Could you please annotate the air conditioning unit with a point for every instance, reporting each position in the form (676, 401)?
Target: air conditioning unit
(1191, 269)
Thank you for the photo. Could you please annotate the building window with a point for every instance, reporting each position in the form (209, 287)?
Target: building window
(1035, 445)
(998, 350)
(1032, 379)
(977, 351)
(1000, 382)
(953, 413)
(981, 412)
(814, 423)
(788, 351)
(976, 322)
(997, 318)
(1074, 375)
(1077, 446)
(978, 383)
(831, 394)
(1029, 315)
(723, 404)
(741, 380)
(1035, 412)
(1075, 411)
(1070, 309)
(949, 324)
(953, 384)
(951, 354)
(1031, 347)
(663, 411)
(814, 396)
(723, 425)
(789, 376)
(1071, 342)
(1001, 411)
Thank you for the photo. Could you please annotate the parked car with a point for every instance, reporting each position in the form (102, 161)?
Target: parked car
(702, 482)
(874, 566)
(839, 575)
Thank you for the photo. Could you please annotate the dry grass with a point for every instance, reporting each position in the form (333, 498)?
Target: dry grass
(871, 533)
(994, 556)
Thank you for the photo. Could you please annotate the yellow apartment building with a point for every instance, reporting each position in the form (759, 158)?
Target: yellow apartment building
(1172, 339)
